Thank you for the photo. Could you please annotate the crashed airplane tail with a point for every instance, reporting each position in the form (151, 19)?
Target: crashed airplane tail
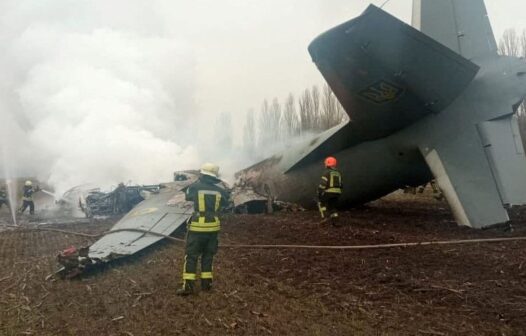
(421, 106)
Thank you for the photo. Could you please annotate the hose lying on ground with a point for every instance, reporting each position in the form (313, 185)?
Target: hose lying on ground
(279, 246)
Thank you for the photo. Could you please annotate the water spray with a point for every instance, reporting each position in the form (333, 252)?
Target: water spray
(10, 184)
(12, 197)
(50, 194)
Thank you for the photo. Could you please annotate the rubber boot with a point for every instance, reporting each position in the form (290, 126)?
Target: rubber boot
(188, 288)
(206, 285)
(335, 219)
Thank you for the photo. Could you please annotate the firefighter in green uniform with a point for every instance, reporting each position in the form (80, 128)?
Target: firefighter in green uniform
(330, 189)
(27, 198)
(3, 197)
(201, 240)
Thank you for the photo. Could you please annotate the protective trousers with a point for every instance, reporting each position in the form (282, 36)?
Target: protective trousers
(199, 244)
(26, 204)
(330, 201)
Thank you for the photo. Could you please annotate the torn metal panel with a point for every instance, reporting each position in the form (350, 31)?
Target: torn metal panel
(163, 214)
(119, 201)
(246, 200)
(160, 214)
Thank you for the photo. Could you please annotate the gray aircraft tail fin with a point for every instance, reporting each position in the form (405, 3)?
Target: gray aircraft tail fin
(463, 25)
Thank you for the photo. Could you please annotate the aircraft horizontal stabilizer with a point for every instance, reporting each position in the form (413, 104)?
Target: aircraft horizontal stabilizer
(463, 173)
(503, 146)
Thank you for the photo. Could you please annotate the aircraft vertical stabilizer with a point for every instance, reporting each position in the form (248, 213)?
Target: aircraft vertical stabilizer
(461, 25)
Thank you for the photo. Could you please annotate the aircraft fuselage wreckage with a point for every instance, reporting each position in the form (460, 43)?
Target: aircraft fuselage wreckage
(435, 103)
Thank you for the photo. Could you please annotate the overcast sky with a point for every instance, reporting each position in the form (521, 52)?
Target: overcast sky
(98, 90)
(250, 50)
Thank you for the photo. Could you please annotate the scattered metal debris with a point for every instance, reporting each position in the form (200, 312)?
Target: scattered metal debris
(246, 200)
(159, 211)
(162, 214)
(119, 201)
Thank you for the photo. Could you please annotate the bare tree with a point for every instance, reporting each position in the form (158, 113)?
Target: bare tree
(275, 113)
(249, 134)
(328, 108)
(291, 122)
(316, 109)
(306, 112)
(509, 43)
(264, 123)
(269, 123)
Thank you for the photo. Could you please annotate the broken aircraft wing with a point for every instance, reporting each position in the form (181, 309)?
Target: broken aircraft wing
(162, 213)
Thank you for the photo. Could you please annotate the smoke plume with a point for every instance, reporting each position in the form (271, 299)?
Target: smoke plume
(93, 93)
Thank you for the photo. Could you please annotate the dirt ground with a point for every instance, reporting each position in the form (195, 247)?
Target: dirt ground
(475, 289)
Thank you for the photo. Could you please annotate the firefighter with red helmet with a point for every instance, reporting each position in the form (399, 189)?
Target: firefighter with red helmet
(329, 190)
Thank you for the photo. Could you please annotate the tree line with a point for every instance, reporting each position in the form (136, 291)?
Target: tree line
(278, 122)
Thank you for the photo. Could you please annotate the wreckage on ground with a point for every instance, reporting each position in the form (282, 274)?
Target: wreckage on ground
(117, 202)
(436, 103)
(160, 212)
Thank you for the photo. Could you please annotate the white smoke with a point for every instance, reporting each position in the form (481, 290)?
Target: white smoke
(99, 102)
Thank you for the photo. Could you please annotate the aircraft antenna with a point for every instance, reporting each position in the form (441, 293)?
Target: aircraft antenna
(385, 3)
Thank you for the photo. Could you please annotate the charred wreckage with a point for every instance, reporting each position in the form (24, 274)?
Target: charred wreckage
(151, 213)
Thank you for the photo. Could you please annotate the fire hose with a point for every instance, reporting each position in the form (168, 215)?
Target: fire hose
(294, 246)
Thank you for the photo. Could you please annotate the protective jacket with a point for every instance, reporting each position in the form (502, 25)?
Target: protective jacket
(28, 193)
(331, 182)
(201, 240)
(208, 199)
(3, 197)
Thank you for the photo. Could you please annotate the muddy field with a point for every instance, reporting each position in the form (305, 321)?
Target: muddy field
(476, 289)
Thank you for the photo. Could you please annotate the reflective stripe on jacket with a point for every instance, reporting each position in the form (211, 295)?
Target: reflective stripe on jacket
(331, 182)
(208, 198)
(28, 193)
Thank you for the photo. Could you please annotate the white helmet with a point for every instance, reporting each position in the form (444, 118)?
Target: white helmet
(28, 183)
(210, 169)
